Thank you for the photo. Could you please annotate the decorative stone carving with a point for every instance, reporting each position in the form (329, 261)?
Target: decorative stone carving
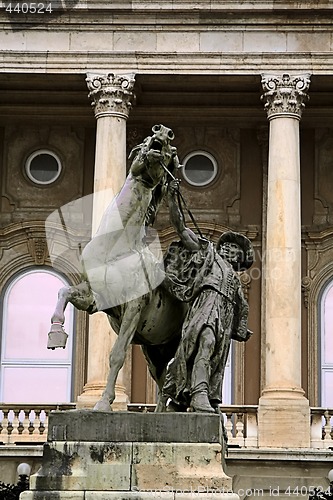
(285, 95)
(306, 284)
(111, 94)
(38, 249)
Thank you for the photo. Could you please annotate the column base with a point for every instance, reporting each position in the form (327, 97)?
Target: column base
(93, 393)
(90, 395)
(283, 422)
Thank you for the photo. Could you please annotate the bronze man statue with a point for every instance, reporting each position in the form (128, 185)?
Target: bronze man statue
(205, 276)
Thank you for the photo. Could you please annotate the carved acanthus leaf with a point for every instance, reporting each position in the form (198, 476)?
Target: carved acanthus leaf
(111, 94)
(285, 95)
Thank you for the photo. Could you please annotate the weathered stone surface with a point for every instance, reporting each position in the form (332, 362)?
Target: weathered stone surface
(52, 495)
(127, 495)
(87, 425)
(84, 466)
(162, 467)
(276, 414)
(206, 495)
(178, 466)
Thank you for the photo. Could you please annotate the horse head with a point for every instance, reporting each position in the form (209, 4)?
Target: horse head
(155, 157)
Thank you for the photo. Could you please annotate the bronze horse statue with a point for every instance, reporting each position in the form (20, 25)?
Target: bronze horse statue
(122, 276)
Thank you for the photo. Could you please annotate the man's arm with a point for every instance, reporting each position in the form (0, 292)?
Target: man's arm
(240, 330)
(188, 237)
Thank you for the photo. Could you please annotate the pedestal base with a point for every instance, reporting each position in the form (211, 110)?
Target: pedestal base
(283, 423)
(126, 455)
(126, 495)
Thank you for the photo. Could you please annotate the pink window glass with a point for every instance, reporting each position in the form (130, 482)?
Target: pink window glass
(327, 389)
(29, 372)
(29, 305)
(328, 328)
(36, 384)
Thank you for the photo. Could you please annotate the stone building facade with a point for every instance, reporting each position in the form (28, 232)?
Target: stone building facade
(246, 87)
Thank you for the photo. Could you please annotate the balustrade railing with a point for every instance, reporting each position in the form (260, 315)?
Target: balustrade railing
(22, 424)
(322, 427)
(26, 423)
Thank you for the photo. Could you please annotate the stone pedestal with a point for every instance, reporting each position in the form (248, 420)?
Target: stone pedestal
(123, 455)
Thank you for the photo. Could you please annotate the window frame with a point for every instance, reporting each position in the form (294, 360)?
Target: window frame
(207, 155)
(26, 362)
(322, 366)
(33, 155)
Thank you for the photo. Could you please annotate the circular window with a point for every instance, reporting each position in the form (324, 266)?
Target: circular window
(43, 167)
(200, 168)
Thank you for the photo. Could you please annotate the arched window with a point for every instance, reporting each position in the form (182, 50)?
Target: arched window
(326, 346)
(29, 372)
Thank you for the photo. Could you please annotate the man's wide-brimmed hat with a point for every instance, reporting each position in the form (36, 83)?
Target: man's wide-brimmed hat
(244, 243)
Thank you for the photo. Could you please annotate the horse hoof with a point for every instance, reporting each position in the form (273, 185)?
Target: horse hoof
(57, 337)
(102, 405)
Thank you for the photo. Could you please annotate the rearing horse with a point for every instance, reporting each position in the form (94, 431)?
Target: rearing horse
(122, 276)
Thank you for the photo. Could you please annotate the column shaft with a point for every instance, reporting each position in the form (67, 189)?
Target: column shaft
(111, 98)
(283, 254)
(284, 413)
(110, 163)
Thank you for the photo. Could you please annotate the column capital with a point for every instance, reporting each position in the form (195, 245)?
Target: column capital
(285, 95)
(110, 94)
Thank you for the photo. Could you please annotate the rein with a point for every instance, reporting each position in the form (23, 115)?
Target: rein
(181, 201)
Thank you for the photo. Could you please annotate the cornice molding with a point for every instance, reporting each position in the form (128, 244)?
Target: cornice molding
(320, 236)
(153, 62)
(225, 5)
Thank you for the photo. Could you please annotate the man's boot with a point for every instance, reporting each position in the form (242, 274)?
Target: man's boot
(199, 387)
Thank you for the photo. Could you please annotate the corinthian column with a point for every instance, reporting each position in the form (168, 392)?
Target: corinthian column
(111, 96)
(284, 415)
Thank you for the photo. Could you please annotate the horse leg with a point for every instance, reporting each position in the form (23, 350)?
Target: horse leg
(158, 357)
(81, 297)
(117, 357)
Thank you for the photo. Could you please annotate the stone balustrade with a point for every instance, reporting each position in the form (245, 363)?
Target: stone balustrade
(21, 424)
(321, 428)
(26, 423)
